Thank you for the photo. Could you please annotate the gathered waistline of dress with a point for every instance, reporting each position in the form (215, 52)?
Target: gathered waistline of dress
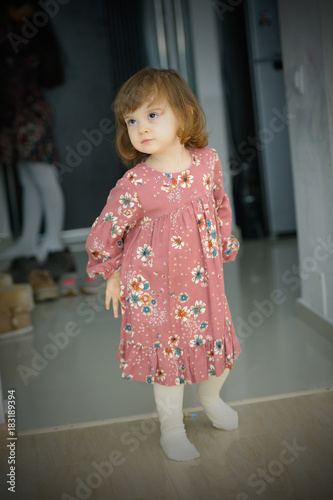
(142, 221)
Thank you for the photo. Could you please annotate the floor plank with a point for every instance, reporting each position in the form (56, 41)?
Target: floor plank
(283, 449)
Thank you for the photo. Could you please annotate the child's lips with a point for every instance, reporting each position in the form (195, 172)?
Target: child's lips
(145, 141)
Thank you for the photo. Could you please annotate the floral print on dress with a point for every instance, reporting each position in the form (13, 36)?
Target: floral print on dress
(145, 253)
(177, 242)
(169, 234)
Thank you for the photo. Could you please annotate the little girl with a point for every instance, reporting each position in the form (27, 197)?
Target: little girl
(160, 242)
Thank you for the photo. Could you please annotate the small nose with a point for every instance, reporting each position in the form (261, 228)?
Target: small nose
(143, 128)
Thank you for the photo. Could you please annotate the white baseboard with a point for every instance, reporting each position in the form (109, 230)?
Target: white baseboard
(314, 319)
(72, 236)
(189, 412)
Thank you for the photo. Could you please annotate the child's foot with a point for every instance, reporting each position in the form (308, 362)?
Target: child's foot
(221, 415)
(178, 447)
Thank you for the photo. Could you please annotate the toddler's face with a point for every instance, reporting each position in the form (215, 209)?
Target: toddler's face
(152, 128)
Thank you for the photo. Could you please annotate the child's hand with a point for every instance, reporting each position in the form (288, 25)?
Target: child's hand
(113, 293)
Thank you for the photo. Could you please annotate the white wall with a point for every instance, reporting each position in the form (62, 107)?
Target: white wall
(307, 44)
(210, 88)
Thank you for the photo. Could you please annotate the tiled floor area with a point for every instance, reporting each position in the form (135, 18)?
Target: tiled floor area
(65, 372)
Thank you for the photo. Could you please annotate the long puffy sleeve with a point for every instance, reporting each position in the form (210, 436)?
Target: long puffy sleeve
(105, 243)
(229, 244)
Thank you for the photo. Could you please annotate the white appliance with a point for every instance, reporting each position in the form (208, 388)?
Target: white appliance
(271, 117)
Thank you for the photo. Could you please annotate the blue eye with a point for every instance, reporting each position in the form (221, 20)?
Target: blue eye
(152, 115)
(131, 121)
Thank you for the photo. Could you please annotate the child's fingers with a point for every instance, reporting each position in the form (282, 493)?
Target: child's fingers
(107, 300)
(115, 302)
(113, 293)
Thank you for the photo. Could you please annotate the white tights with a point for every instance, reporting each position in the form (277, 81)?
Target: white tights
(169, 404)
(42, 197)
(219, 413)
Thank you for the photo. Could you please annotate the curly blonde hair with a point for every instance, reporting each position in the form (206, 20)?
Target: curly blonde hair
(151, 85)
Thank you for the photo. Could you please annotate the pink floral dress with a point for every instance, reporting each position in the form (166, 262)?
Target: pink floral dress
(170, 234)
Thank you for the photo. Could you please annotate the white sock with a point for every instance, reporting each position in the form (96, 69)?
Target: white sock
(219, 413)
(169, 404)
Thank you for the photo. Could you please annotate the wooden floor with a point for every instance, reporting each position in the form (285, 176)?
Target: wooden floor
(283, 449)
